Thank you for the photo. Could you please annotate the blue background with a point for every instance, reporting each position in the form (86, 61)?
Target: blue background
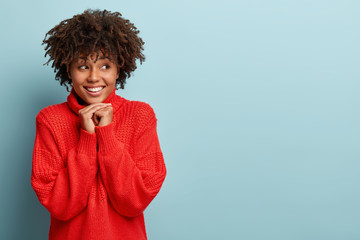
(257, 105)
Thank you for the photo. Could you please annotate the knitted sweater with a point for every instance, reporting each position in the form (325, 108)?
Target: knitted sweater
(97, 185)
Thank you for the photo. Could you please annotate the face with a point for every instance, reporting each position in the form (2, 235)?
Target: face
(93, 81)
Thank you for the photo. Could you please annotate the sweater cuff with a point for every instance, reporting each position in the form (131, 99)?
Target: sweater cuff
(107, 140)
(87, 143)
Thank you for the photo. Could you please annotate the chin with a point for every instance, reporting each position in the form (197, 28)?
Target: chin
(92, 101)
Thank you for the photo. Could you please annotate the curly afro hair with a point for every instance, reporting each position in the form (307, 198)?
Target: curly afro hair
(94, 31)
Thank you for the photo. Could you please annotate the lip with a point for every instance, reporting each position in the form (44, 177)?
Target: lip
(94, 86)
(94, 94)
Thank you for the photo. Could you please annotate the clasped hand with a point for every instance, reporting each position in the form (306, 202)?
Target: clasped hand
(96, 114)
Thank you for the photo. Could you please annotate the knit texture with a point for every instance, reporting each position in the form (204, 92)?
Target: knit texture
(97, 185)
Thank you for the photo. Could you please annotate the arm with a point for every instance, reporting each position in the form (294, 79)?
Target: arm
(63, 185)
(131, 182)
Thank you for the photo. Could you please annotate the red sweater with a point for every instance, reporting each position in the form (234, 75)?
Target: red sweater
(96, 186)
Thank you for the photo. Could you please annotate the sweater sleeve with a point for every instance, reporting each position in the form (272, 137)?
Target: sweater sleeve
(63, 185)
(131, 182)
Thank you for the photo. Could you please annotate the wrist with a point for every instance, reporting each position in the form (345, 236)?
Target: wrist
(87, 143)
(106, 138)
(104, 122)
(88, 130)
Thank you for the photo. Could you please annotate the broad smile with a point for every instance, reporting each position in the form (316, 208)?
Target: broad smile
(94, 91)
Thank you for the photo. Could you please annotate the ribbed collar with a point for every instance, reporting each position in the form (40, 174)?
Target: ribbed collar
(75, 102)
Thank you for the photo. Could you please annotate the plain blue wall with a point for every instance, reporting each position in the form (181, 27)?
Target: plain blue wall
(258, 115)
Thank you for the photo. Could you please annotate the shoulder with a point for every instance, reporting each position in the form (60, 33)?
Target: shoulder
(139, 108)
(143, 109)
(142, 112)
(53, 113)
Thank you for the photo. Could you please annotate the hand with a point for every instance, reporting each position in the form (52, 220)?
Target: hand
(103, 116)
(87, 116)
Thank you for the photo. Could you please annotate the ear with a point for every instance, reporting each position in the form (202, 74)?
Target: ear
(68, 70)
(118, 73)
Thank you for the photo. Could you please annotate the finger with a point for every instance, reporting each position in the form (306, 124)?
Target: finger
(95, 119)
(95, 106)
(92, 108)
(107, 108)
(90, 111)
(103, 111)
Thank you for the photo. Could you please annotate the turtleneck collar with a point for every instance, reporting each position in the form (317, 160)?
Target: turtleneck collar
(76, 103)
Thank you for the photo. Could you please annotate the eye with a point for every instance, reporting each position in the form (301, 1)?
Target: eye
(105, 66)
(82, 67)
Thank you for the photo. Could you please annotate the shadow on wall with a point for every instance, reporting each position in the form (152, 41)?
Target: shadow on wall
(26, 217)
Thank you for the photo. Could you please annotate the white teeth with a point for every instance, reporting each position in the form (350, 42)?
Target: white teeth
(94, 89)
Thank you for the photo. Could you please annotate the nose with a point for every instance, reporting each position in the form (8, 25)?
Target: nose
(94, 75)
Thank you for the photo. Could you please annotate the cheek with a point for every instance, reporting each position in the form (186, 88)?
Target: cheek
(111, 79)
(77, 76)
